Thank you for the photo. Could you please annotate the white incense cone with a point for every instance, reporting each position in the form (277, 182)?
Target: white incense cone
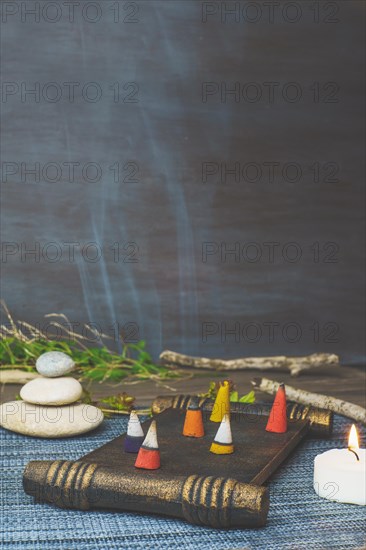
(151, 440)
(134, 428)
(223, 442)
(223, 434)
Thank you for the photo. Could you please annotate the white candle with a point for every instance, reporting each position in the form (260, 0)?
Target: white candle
(340, 474)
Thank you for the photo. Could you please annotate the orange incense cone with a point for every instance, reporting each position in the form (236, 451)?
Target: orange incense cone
(223, 442)
(277, 421)
(148, 457)
(193, 423)
(222, 403)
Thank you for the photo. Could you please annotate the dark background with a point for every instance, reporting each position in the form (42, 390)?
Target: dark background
(163, 52)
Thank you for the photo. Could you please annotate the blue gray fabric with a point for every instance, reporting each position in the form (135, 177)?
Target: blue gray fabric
(298, 519)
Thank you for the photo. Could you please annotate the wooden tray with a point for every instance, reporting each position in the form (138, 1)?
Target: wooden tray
(192, 483)
(257, 453)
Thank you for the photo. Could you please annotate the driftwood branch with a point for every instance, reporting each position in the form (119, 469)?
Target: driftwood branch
(338, 406)
(15, 376)
(294, 364)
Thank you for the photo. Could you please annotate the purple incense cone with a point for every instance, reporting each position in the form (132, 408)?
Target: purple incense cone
(135, 435)
(132, 444)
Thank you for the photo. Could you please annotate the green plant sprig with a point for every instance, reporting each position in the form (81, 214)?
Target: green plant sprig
(21, 344)
(234, 395)
(94, 364)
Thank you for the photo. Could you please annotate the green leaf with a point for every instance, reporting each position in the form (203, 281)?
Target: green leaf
(145, 356)
(120, 402)
(248, 398)
(95, 373)
(115, 375)
(212, 391)
(234, 396)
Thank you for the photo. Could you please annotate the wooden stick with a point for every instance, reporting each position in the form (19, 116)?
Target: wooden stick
(14, 376)
(315, 399)
(142, 412)
(294, 364)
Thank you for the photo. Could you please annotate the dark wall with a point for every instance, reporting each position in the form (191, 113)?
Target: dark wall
(292, 213)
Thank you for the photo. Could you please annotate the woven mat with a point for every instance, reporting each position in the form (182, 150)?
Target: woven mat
(298, 519)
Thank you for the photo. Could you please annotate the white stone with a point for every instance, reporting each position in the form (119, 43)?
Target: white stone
(51, 422)
(54, 363)
(51, 391)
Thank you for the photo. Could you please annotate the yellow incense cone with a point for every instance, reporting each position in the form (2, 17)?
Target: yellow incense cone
(223, 442)
(222, 403)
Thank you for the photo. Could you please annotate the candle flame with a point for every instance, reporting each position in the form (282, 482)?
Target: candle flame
(353, 438)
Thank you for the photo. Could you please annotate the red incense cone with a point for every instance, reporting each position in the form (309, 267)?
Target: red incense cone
(193, 423)
(277, 421)
(149, 454)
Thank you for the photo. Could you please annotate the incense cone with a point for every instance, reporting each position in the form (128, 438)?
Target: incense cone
(223, 442)
(193, 423)
(277, 421)
(222, 403)
(135, 435)
(149, 454)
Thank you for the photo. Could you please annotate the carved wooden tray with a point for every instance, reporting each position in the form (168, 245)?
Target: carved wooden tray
(257, 453)
(192, 483)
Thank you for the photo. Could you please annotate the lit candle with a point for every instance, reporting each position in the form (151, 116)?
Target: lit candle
(340, 474)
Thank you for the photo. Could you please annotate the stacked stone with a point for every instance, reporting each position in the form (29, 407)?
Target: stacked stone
(49, 406)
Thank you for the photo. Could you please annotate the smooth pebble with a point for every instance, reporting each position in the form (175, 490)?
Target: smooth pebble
(51, 391)
(54, 363)
(50, 422)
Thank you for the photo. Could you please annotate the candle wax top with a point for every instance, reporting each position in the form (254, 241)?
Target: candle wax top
(343, 459)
